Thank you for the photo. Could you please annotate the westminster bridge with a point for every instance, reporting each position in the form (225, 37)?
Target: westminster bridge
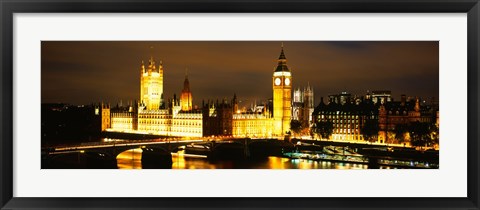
(103, 154)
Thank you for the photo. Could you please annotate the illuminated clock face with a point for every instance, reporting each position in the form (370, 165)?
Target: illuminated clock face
(277, 81)
(287, 81)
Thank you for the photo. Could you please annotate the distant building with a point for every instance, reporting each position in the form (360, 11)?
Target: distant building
(349, 118)
(403, 112)
(381, 96)
(341, 98)
(303, 105)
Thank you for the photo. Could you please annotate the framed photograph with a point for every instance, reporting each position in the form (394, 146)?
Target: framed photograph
(239, 105)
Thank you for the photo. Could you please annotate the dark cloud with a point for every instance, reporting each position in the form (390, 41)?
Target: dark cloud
(85, 72)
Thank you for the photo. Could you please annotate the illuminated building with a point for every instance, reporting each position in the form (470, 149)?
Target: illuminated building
(254, 122)
(123, 119)
(151, 85)
(258, 121)
(179, 118)
(186, 96)
(152, 115)
(282, 96)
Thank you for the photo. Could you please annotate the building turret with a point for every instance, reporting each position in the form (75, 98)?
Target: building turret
(142, 68)
(186, 96)
(104, 111)
(235, 103)
(417, 105)
(151, 85)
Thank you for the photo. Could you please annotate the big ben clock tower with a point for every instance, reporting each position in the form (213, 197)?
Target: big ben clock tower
(282, 96)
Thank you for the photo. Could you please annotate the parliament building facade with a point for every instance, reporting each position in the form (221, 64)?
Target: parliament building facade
(179, 118)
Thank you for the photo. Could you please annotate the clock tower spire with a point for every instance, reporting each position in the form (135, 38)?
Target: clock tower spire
(282, 95)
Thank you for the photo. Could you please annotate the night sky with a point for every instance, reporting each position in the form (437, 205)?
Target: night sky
(81, 72)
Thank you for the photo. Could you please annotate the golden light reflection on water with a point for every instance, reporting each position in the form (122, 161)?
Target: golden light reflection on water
(313, 164)
(130, 159)
(278, 162)
(184, 161)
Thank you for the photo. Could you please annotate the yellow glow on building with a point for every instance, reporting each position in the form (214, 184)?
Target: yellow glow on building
(186, 96)
(180, 119)
(252, 125)
(122, 121)
(282, 96)
(105, 120)
(151, 85)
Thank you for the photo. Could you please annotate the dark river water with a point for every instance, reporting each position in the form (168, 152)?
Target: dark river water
(131, 159)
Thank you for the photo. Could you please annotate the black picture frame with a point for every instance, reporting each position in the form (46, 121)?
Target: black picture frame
(10, 7)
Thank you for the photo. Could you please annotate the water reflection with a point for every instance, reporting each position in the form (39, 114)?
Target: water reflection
(131, 159)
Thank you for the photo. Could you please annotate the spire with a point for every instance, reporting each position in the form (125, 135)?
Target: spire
(151, 62)
(282, 54)
(160, 67)
(282, 62)
(186, 83)
(234, 100)
(417, 105)
(142, 68)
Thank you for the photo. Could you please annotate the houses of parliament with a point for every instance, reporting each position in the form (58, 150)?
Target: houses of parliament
(177, 117)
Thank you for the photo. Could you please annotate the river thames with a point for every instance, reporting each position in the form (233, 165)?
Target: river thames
(260, 154)
(131, 159)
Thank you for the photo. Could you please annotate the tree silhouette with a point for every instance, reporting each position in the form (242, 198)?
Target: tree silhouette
(323, 128)
(419, 133)
(370, 129)
(296, 126)
(400, 131)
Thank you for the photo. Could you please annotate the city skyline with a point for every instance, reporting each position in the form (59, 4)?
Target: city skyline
(87, 72)
(291, 126)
